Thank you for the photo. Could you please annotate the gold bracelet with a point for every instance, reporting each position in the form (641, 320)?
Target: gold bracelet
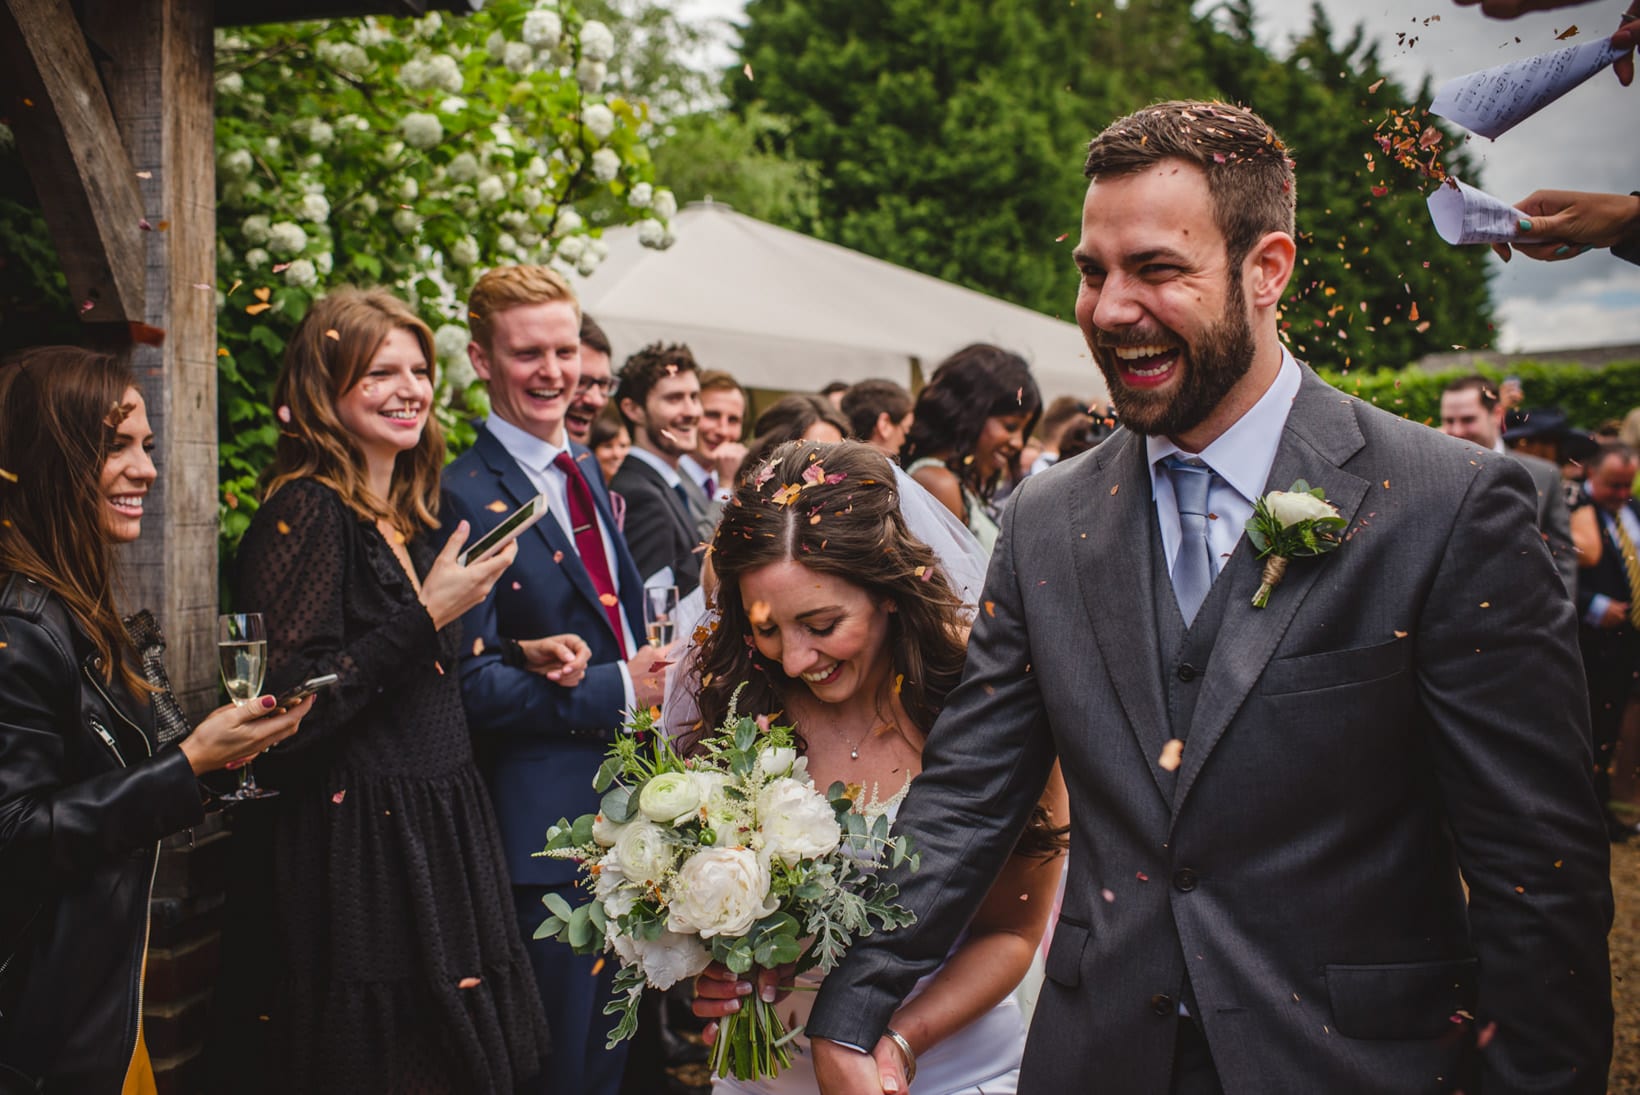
(905, 1050)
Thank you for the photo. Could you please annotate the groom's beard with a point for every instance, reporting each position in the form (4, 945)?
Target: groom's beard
(1208, 369)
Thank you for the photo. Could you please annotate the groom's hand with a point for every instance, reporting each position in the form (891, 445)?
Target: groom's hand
(844, 1070)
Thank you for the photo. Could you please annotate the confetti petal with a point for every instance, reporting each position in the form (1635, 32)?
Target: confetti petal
(338, 796)
(469, 982)
(1172, 754)
(608, 600)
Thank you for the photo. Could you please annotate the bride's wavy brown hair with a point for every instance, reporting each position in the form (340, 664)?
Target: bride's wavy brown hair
(329, 353)
(835, 508)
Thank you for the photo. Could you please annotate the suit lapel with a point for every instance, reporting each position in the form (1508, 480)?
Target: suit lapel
(1321, 434)
(1112, 518)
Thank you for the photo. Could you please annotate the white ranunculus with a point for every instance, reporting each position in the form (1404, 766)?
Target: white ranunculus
(641, 195)
(542, 29)
(666, 204)
(597, 41)
(591, 75)
(230, 83)
(464, 252)
(645, 851)
(518, 57)
(1291, 507)
(606, 164)
(604, 831)
(797, 822)
(669, 796)
(421, 130)
(720, 891)
(612, 891)
(599, 120)
(315, 208)
(464, 168)
(302, 274)
(491, 189)
(406, 221)
(286, 239)
(256, 258)
(771, 761)
(255, 228)
(664, 961)
(236, 164)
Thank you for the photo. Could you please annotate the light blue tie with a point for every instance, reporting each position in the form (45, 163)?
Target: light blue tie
(1193, 567)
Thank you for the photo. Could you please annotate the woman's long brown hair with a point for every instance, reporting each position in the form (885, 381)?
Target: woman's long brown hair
(329, 353)
(59, 409)
(835, 508)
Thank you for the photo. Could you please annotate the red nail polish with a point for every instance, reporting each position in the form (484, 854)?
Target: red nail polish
(268, 701)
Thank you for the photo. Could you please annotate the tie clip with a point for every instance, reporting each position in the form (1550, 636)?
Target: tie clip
(578, 529)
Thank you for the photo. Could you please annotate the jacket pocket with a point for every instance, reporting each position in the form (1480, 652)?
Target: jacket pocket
(1402, 1000)
(1334, 668)
(1063, 966)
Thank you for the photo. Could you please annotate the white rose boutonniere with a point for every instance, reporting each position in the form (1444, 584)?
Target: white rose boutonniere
(1287, 524)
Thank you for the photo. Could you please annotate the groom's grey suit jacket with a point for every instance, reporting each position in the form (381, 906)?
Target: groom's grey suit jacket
(1408, 707)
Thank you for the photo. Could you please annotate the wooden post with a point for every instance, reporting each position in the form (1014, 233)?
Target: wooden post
(157, 57)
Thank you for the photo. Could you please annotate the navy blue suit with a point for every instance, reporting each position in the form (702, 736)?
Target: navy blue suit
(540, 743)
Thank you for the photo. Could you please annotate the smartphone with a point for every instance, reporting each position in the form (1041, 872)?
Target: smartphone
(509, 528)
(306, 688)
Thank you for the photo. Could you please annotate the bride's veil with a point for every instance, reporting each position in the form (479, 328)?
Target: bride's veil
(959, 553)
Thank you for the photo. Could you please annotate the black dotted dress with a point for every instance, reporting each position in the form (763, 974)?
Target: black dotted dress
(391, 894)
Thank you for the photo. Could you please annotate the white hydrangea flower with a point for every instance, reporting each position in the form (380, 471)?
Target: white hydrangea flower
(528, 240)
(443, 73)
(413, 74)
(450, 340)
(491, 189)
(421, 130)
(406, 221)
(597, 41)
(572, 248)
(591, 75)
(320, 133)
(352, 121)
(286, 239)
(518, 58)
(256, 258)
(464, 252)
(302, 274)
(315, 208)
(641, 195)
(464, 168)
(458, 370)
(230, 83)
(506, 242)
(542, 29)
(651, 232)
(569, 221)
(530, 197)
(271, 146)
(367, 205)
(606, 164)
(514, 221)
(599, 121)
(588, 263)
(454, 104)
(536, 169)
(430, 24)
(312, 161)
(666, 204)
(371, 33)
(325, 262)
(250, 191)
(392, 150)
(236, 164)
(346, 56)
(408, 190)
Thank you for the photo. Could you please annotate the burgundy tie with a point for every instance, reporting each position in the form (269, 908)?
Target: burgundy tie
(589, 543)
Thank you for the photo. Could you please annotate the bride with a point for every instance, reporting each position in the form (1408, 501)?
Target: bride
(838, 618)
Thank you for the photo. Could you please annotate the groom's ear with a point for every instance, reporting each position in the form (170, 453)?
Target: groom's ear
(1268, 267)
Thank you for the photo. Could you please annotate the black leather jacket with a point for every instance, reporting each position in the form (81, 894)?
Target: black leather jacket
(84, 801)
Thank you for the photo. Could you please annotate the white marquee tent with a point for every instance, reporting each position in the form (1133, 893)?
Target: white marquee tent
(782, 310)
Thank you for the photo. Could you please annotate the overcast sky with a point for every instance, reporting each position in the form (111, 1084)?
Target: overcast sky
(1585, 141)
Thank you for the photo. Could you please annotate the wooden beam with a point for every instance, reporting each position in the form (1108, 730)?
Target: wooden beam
(72, 150)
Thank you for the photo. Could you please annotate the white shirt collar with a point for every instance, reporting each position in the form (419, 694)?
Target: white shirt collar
(1243, 454)
(526, 448)
(667, 472)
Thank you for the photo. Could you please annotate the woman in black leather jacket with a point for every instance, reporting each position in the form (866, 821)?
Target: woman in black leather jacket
(86, 791)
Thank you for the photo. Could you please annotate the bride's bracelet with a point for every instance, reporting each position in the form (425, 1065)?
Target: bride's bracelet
(905, 1050)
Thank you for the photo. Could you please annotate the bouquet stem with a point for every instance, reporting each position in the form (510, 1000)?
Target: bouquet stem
(1275, 568)
(751, 1043)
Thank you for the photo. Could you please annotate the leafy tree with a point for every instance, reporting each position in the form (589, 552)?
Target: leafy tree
(408, 153)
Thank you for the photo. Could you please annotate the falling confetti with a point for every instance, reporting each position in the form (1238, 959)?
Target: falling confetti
(1172, 754)
(333, 334)
(498, 506)
(1569, 32)
(608, 600)
(758, 613)
(284, 529)
(747, 70)
(469, 982)
(338, 796)
(8, 476)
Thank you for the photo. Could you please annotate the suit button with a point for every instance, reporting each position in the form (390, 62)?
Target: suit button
(1184, 880)
(1162, 1004)
(1187, 672)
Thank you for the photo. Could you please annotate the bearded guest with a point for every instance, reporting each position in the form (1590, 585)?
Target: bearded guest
(1343, 842)
(718, 451)
(592, 390)
(659, 398)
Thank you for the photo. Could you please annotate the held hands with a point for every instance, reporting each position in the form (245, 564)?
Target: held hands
(231, 735)
(561, 659)
(843, 1070)
(648, 669)
(451, 589)
(1570, 222)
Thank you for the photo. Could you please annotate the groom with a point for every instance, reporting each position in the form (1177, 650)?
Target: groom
(1275, 812)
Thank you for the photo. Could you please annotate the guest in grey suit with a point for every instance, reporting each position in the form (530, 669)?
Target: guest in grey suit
(659, 398)
(1275, 811)
(1472, 411)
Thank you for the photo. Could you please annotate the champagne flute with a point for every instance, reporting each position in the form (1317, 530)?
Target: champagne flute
(242, 652)
(660, 613)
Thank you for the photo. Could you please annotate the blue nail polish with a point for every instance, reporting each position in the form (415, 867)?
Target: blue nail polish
(1525, 225)
(1562, 249)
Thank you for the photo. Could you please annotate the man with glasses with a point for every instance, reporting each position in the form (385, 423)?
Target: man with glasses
(597, 382)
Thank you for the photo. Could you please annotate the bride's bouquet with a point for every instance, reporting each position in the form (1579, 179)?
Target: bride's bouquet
(730, 854)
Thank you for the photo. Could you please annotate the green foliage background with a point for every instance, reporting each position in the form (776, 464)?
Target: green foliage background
(1590, 397)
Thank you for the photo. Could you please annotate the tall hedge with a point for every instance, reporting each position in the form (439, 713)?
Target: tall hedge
(1589, 397)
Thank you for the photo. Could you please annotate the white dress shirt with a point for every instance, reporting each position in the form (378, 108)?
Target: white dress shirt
(693, 468)
(1240, 457)
(536, 457)
(1599, 602)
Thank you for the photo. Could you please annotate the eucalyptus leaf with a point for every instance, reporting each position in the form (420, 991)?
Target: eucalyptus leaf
(619, 804)
(556, 905)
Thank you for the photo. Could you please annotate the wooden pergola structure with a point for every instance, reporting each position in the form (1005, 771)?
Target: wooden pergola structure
(112, 104)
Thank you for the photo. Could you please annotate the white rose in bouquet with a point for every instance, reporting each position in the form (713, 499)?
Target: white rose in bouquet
(1291, 507)
(664, 961)
(776, 761)
(720, 891)
(797, 822)
(645, 851)
(668, 797)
